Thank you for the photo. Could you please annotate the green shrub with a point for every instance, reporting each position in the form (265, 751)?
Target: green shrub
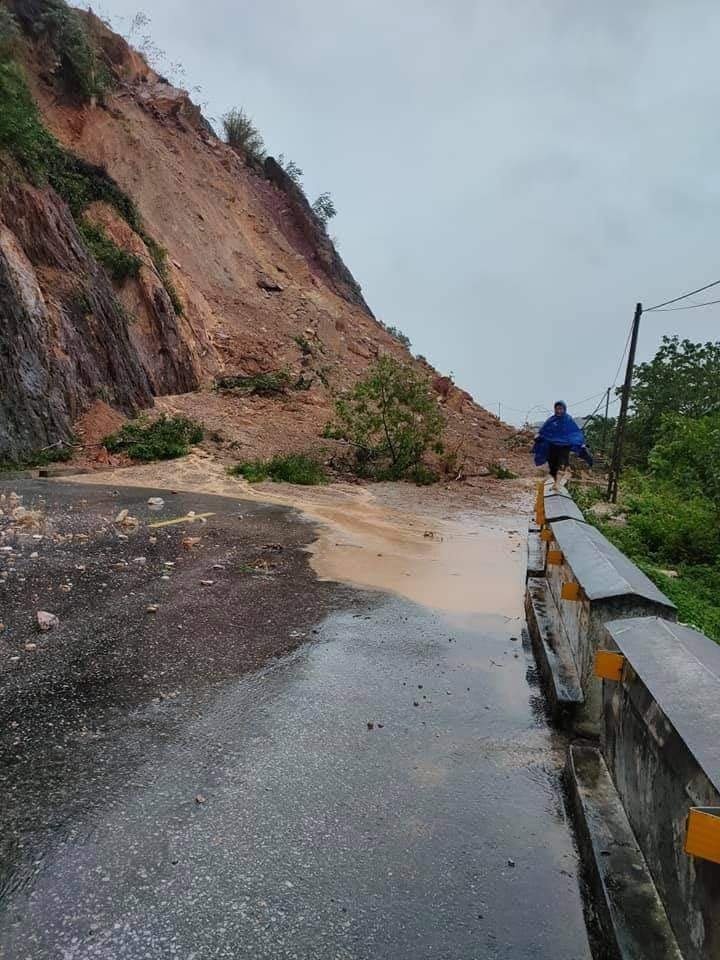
(263, 384)
(397, 334)
(500, 472)
(391, 418)
(422, 475)
(695, 592)
(119, 263)
(161, 439)
(241, 133)
(82, 71)
(57, 453)
(304, 345)
(295, 468)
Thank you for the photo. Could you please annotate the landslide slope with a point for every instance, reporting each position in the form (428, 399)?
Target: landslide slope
(227, 271)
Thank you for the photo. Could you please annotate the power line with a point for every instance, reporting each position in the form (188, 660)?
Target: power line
(690, 306)
(619, 366)
(684, 296)
(576, 403)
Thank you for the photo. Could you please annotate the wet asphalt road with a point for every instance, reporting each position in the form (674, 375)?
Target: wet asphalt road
(158, 804)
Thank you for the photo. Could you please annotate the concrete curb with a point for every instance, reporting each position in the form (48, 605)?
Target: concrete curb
(629, 909)
(552, 653)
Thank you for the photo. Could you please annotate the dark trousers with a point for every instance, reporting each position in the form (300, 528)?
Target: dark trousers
(557, 457)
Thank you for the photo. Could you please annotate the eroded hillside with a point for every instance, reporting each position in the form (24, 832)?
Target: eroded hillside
(217, 264)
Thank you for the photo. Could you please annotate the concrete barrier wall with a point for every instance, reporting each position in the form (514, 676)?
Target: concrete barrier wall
(610, 587)
(658, 756)
(661, 742)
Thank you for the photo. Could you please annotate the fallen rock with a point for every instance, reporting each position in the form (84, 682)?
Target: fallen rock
(152, 608)
(46, 620)
(189, 542)
(156, 501)
(31, 646)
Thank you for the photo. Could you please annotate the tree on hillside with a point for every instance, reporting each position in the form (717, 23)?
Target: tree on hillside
(683, 377)
(324, 208)
(688, 454)
(291, 169)
(391, 418)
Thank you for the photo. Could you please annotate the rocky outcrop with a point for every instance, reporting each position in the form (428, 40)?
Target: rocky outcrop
(64, 338)
(305, 231)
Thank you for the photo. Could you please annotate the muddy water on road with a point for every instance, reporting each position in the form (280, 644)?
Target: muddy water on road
(466, 561)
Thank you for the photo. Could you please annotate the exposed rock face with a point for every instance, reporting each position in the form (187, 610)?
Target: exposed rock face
(64, 338)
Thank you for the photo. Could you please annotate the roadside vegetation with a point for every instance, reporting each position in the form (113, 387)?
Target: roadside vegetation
(163, 439)
(668, 515)
(390, 420)
(56, 453)
(297, 468)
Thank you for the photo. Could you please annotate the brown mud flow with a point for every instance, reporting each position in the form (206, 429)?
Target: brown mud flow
(450, 557)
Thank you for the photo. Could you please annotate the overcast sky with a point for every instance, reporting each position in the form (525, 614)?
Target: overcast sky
(510, 176)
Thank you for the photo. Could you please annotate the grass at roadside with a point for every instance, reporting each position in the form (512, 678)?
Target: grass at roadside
(295, 468)
(673, 537)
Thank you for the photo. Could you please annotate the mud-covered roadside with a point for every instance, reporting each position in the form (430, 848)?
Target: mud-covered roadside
(144, 614)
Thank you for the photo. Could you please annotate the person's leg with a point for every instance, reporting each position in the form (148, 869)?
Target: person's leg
(563, 466)
(553, 462)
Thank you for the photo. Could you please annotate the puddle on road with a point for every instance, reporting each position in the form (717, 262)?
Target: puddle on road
(470, 563)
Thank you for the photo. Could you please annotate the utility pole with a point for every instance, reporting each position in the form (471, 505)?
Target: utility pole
(616, 464)
(605, 425)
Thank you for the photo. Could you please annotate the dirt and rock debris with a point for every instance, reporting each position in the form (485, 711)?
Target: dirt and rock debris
(236, 278)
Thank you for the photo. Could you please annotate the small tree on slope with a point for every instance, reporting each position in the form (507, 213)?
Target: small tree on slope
(391, 418)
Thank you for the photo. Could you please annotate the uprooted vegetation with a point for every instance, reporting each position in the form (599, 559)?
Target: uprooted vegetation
(163, 439)
(391, 420)
(268, 384)
(299, 468)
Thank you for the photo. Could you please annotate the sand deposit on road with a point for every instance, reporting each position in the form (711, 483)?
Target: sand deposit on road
(438, 548)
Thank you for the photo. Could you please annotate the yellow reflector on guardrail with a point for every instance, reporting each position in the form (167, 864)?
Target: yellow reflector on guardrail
(702, 837)
(570, 591)
(609, 665)
(555, 557)
(546, 535)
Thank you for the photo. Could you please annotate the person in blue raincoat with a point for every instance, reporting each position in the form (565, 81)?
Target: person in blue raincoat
(558, 437)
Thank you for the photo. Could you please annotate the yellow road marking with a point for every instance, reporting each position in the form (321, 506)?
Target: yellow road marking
(186, 519)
